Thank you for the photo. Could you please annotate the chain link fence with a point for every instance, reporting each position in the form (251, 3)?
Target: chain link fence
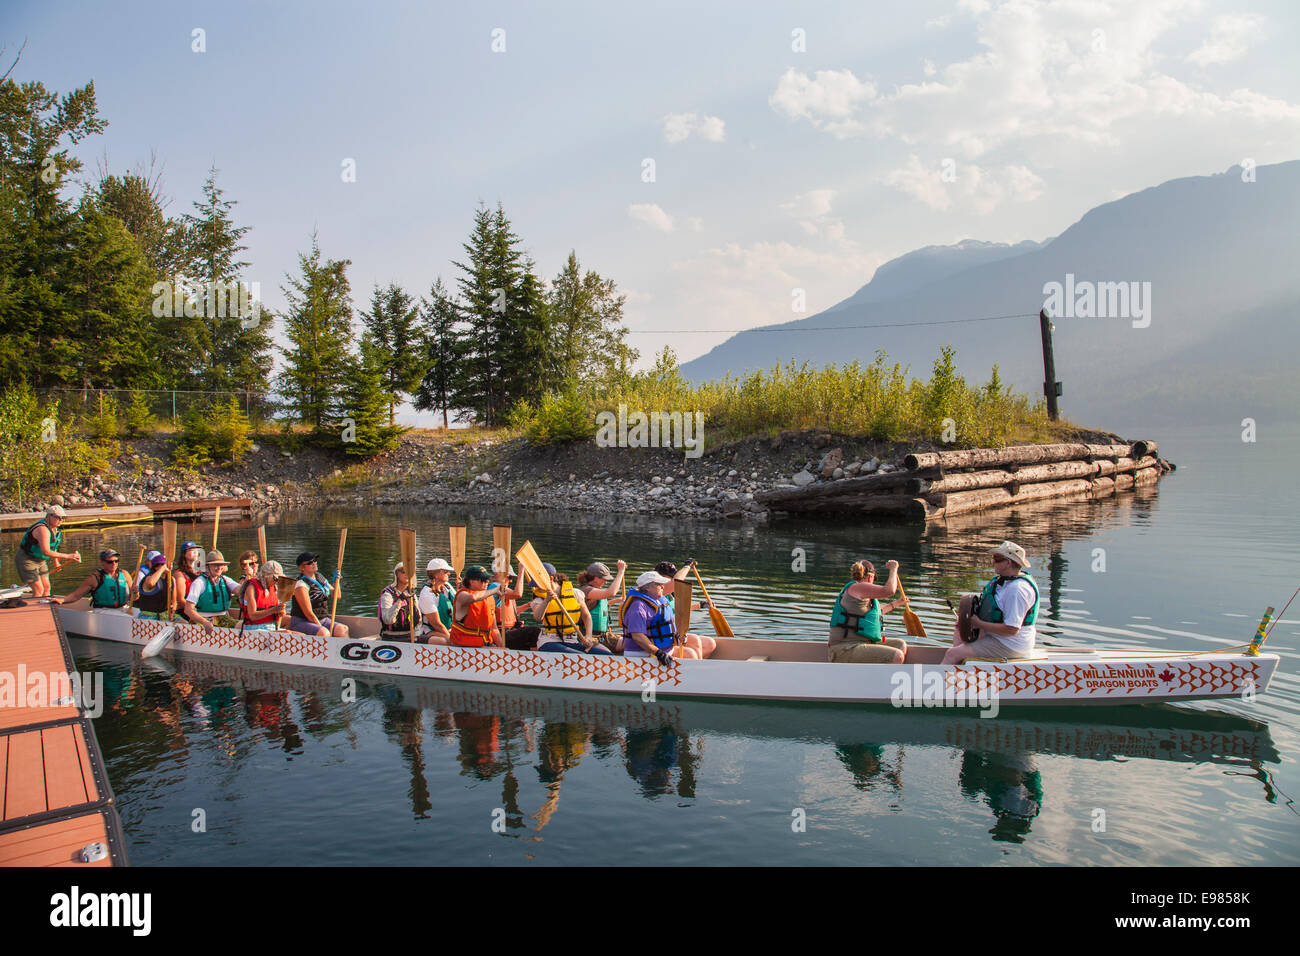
(165, 405)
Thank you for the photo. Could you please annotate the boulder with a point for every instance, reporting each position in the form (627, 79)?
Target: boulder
(830, 461)
(802, 479)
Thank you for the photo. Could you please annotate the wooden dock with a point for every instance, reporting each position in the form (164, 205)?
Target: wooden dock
(146, 513)
(56, 805)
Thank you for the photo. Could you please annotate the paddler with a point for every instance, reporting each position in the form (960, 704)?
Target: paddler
(508, 589)
(108, 585)
(436, 599)
(186, 571)
(649, 629)
(40, 543)
(598, 586)
(702, 644)
(309, 607)
(566, 622)
(260, 605)
(395, 608)
(856, 632)
(207, 603)
(151, 586)
(1008, 608)
(473, 623)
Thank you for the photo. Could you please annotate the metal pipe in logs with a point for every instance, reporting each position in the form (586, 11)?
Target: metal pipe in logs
(1051, 387)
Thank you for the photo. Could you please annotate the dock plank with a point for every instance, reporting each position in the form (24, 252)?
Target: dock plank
(25, 792)
(57, 843)
(64, 784)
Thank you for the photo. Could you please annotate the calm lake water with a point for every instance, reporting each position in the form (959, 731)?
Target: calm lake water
(282, 771)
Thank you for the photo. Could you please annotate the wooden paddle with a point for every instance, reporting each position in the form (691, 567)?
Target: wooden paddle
(532, 565)
(169, 552)
(501, 550)
(682, 608)
(216, 521)
(720, 625)
(910, 621)
(407, 536)
(338, 572)
(261, 542)
(458, 549)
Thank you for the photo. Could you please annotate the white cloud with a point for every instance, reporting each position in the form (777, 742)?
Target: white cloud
(828, 99)
(1051, 76)
(1231, 37)
(696, 223)
(928, 67)
(681, 126)
(651, 215)
(981, 188)
(935, 22)
(815, 202)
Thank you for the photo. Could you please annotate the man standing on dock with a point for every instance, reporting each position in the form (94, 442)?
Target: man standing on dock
(41, 543)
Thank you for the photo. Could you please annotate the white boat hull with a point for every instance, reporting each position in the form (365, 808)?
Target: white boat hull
(789, 670)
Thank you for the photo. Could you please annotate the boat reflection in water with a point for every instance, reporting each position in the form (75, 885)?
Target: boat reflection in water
(501, 733)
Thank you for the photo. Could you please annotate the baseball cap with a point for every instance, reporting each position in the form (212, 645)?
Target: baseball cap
(108, 553)
(55, 511)
(598, 570)
(651, 577)
(157, 559)
(307, 557)
(437, 564)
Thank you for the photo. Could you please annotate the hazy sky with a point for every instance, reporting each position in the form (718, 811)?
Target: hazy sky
(775, 167)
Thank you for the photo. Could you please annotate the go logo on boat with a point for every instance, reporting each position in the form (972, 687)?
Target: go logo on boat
(383, 654)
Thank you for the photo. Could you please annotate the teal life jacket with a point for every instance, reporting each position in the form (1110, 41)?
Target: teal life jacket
(866, 626)
(30, 547)
(111, 592)
(215, 598)
(600, 616)
(989, 609)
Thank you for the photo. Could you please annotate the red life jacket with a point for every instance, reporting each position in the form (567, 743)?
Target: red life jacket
(266, 604)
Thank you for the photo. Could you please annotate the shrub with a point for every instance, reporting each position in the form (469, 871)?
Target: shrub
(212, 433)
(43, 449)
(139, 417)
(561, 418)
(102, 423)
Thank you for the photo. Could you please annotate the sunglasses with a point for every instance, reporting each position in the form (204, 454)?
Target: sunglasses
(249, 564)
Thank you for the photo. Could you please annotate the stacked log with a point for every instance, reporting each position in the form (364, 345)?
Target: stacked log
(948, 483)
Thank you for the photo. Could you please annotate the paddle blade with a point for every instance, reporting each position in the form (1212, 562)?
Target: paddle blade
(458, 548)
(284, 588)
(682, 606)
(532, 566)
(261, 542)
(720, 625)
(407, 536)
(913, 624)
(158, 643)
(343, 540)
(169, 541)
(216, 523)
(501, 549)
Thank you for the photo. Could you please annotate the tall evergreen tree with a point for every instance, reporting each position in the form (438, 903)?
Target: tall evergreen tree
(391, 327)
(365, 400)
(38, 322)
(318, 325)
(443, 344)
(588, 338)
(238, 349)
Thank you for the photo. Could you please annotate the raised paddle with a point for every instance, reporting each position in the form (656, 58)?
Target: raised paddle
(532, 565)
(720, 625)
(501, 550)
(458, 549)
(216, 521)
(169, 552)
(682, 609)
(407, 542)
(338, 572)
(261, 542)
(910, 621)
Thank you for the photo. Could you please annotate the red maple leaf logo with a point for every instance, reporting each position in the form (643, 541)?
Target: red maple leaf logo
(1166, 675)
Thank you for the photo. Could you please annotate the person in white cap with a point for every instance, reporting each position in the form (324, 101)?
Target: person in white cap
(1008, 608)
(435, 602)
(648, 626)
(40, 543)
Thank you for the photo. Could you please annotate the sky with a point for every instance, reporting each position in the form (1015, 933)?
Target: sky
(710, 158)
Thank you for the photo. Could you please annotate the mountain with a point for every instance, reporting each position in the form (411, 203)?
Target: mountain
(1216, 256)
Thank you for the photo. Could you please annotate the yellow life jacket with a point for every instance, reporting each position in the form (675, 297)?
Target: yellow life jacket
(553, 619)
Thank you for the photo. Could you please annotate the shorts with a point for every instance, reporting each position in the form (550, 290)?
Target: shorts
(560, 647)
(153, 615)
(990, 646)
(304, 626)
(864, 652)
(30, 569)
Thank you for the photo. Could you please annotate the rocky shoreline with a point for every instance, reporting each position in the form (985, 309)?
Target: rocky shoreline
(483, 468)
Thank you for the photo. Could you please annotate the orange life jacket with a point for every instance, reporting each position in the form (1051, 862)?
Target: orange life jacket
(475, 630)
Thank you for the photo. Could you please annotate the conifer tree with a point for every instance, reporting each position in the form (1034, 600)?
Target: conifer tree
(443, 344)
(365, 405)
(588, 338)
(318, 325)
(391, 326)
